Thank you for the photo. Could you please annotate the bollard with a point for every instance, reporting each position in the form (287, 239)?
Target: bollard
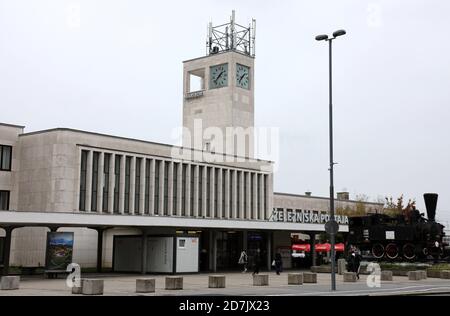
(216, 281)
(309, 277)
(415, 275)
(260, 279)
(174, 283)
(386, 276)
(145, 285)
(349, 277)
(10, 282)
(342, 266)
(295, 278)
(445, 274)
(92, 287)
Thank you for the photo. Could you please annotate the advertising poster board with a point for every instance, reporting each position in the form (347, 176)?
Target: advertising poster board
(59, 250)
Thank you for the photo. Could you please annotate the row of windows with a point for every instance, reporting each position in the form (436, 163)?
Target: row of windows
(209, 181)
(5, 157)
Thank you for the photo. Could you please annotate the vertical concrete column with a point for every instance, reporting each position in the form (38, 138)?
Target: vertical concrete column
(212, 196)
(227, 193)
(144, 252)
(100, 184)
(89, 180)
(112, 160)
(219, 180)
(245, 240)
(268, 199)
(142, 187)
(204, 188)
(261, 197)
(132, 184)
(99, 249)
(269, 250)
(161, 186)
(255, 195)
(312, 241)
(151, 206)
(234, 205)
(7, 249)
(179, 189)
(214, 251)
(196, 190)
(187, 193)
(170, 206)
(122, 185)
(242, 195)
(248, 196)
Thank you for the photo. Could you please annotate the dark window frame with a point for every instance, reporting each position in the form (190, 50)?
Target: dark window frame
(8, 200)
(10, 157)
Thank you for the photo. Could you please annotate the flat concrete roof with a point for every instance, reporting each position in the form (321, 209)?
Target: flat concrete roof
(65, 129)
(322, 198)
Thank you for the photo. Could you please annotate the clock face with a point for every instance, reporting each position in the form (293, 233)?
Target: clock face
(218, 76)
(242, 76)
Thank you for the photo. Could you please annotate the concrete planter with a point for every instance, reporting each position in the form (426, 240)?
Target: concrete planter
(145, 285)
(295, 278)
(216, 281)
(10, 282)
(174, 283)
(309, 277)
(260, 279)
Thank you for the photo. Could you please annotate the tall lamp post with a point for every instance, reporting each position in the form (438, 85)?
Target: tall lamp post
(332, 225)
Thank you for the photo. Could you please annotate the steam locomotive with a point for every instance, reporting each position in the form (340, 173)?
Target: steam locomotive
(410, 236)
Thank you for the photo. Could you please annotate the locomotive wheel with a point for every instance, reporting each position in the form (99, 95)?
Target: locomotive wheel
(378, 251)
(391, 251)
(409, 251)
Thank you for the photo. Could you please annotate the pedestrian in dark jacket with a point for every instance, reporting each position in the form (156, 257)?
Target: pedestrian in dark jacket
(278, 263)
(354, 262)
(256, 263)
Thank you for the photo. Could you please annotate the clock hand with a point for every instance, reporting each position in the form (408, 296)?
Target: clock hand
(241, 78)
(215, 81)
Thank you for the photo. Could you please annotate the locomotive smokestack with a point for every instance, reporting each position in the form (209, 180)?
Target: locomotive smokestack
(430, 204)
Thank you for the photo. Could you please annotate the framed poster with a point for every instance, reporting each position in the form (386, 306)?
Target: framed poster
(59, 250)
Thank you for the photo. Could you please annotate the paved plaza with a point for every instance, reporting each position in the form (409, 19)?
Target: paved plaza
(236, 284)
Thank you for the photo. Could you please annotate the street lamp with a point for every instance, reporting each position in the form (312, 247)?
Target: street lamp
(331, 226)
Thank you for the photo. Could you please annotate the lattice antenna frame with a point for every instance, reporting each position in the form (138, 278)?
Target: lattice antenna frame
(231, 37)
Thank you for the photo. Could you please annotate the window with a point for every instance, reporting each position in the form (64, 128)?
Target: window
(196, 80)
(95, 159)
(4, 200)
(166, 187)
(116, 182)
(191, 212)
(83, 171)
(181, 243)
(208, 191)
(183, 190)
(200, 190)
(216, 206)
(175, 187)
(137, 191)
(5, 157)
(238, 175)
(156, 201)
(245, 197)
(231, 196)
(147, 186)
(127, 184)
(224, 175)
(106, 164)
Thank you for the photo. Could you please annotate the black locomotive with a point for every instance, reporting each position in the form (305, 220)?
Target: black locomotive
(410, 236)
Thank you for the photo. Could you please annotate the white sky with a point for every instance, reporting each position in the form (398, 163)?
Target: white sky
(115, 67)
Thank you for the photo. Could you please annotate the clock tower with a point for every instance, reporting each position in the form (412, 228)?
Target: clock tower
(218, 103)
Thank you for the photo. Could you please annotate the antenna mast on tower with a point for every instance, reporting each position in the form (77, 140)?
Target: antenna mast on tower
(231, 37)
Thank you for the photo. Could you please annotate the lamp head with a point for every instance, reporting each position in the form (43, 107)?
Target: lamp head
(321, 37)
(339, 33)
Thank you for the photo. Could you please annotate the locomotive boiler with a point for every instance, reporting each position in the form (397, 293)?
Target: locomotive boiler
(410, 236)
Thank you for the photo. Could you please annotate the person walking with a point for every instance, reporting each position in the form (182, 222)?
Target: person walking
(278, 263)
(256, 262)
(243, 261)
(354, 262)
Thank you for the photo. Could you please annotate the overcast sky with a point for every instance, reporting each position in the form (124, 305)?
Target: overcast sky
(115, 67)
